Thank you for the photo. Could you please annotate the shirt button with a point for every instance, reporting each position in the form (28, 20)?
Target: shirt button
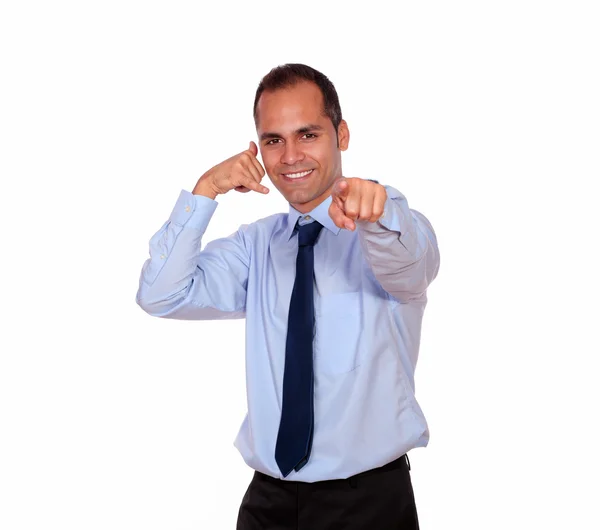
(162, 256)
(307, 217)
(187, 208)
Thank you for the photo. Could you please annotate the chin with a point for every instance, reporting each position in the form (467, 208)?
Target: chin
(300, 197)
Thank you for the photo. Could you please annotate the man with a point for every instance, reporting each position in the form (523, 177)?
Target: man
(333, 293)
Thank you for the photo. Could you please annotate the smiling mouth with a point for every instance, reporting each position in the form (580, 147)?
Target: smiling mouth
(299, 175)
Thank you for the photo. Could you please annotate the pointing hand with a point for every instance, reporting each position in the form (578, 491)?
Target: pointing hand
(355, 199)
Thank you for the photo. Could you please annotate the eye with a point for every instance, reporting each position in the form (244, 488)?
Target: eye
(270, 142)
(312, 135)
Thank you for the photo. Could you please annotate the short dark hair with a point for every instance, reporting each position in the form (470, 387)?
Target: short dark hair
(288, 75)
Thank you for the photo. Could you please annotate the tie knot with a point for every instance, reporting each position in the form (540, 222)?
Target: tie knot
(308, 233)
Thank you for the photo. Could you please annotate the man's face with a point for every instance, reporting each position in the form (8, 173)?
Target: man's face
(295, 137)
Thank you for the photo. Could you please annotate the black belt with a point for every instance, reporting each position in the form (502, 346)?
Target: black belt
(353, 480)
(395, 464)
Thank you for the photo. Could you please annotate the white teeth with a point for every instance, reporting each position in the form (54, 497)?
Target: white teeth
(297, 175)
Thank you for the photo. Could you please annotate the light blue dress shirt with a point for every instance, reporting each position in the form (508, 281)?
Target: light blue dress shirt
(370, 295)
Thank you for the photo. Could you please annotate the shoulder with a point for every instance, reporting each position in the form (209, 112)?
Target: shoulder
(263, 227)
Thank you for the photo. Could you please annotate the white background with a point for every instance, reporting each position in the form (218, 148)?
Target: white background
(484, 114)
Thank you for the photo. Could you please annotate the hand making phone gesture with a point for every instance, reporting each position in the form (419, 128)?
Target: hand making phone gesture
(242, 172)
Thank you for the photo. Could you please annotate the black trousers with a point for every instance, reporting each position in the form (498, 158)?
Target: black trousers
(378, 499)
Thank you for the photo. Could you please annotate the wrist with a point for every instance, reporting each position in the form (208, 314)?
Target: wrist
(205, 188)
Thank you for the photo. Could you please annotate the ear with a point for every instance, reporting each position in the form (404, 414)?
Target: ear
(343, 135)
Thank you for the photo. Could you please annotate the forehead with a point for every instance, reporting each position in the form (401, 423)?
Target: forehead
(287, 109)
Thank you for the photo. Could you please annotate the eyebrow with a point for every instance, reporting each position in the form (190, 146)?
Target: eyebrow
(302, 130)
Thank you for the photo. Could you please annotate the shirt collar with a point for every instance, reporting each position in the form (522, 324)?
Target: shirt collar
(320, 213)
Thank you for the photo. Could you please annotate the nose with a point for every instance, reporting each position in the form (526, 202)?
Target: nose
(291, 154)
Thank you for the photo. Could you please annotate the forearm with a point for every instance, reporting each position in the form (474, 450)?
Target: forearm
(401, 248)
(178, 280)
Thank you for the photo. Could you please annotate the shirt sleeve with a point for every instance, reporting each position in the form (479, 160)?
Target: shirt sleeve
(401, 248)
(180, 280)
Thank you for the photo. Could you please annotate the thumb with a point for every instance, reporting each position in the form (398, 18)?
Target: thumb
(339, 217)
(253, 149)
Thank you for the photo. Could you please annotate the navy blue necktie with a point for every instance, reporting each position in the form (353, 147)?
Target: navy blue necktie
(294, 440)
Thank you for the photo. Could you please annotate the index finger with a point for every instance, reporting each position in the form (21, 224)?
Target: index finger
(341, 189)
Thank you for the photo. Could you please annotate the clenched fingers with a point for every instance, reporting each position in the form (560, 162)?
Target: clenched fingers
(378, 204)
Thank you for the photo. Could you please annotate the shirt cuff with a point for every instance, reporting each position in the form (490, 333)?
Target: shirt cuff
(194, 211)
